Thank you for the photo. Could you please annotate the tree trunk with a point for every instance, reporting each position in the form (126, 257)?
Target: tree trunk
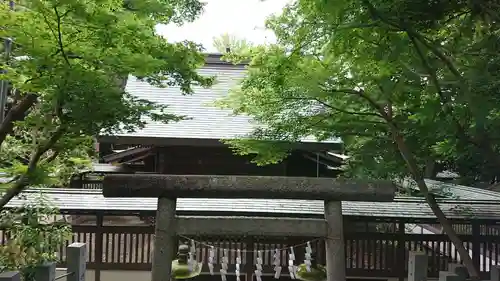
(441, 217)
(418, 176)
(430, 171)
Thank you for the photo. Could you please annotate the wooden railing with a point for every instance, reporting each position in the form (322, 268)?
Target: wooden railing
(86, 183)
(367, 254)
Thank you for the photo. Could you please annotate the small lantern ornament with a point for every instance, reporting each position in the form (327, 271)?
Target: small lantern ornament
(310, 270)
(182, 268)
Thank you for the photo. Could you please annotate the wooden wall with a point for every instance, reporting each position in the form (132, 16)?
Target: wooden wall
(221, 161)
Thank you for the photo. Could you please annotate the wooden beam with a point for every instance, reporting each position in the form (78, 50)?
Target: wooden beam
(251, 226)
(257, 187)
(128, 152)
(208, 143)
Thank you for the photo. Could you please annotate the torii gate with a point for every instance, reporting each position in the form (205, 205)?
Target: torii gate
(167, 188)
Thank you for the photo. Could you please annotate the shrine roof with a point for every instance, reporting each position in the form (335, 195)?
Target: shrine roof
(461, 191)
(78, 200)
(206, 121)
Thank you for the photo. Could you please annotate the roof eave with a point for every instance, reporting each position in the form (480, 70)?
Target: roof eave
(216, 59)
(157, 141)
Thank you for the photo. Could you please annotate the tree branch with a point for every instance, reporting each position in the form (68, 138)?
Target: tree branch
(347, 111)
(15, 114)
(59, 36)
(382, 112)
(23, 181)
(447, 61)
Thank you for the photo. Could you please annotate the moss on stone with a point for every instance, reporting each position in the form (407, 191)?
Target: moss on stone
(182, 271)
(196, 186)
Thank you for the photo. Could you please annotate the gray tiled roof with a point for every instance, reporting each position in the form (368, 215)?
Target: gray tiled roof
(207, 121)
(463, 192)
(403, 207)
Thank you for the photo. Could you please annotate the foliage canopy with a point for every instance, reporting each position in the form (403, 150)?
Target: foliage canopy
(336, 63)
(67, 65)
(411, 87)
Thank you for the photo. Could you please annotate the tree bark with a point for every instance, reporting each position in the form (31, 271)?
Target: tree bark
(441, 217)
(16, 113)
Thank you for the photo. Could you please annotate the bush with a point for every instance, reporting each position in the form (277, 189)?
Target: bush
(32, 235)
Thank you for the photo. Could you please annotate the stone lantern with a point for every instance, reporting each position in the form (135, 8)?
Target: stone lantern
(181, 268)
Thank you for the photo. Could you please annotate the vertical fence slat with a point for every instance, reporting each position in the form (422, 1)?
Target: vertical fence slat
(371, 252)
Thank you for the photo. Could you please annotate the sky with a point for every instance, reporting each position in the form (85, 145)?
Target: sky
(241, 18)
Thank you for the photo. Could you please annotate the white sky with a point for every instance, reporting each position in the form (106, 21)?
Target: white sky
(241, 18)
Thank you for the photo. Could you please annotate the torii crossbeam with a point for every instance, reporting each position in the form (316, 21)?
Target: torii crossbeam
(167, 188)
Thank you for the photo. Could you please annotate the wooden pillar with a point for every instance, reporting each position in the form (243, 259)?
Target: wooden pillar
(476, 244)
(165, 239)
(99, 246)
(335, 247)
(161, 161)
(250, 259)
(401, 252)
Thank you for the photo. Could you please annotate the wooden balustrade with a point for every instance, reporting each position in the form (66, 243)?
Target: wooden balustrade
(367, 253)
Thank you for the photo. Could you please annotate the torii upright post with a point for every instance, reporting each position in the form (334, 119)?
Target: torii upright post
(165, 238)
(167, 188)
(335, 247)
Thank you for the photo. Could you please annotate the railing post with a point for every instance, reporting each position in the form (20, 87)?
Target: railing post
(165, 239)
(417, 266)
(449, 276)
(10, 276)
(76, 261)
(495, 273)
(46, 272)
(401, 251)
(459, 269)
(334, 243)
(250, 259)
(476, 244)
(98, 252)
